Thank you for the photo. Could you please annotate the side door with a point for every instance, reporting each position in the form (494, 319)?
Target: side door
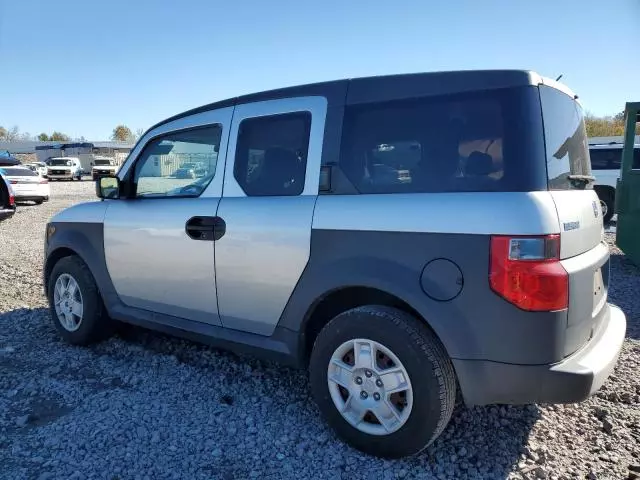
(159, 240)
(270, 189)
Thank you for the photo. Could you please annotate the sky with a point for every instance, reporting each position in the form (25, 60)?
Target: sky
(83, 67)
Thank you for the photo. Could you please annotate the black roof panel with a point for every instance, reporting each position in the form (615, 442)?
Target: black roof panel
(383, 87)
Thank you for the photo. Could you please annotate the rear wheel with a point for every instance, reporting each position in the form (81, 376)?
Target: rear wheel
(75, 303)
(382, 380)
(607, 204)
(39, 201)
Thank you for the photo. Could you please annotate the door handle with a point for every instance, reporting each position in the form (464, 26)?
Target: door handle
(205, 228)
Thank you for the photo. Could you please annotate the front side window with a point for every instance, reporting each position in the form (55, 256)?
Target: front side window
(271, 154)
(458, 143)
(160, 170)
(568, 161)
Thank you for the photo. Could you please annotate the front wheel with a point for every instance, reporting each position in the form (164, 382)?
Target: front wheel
(75, 303)
(382, 380)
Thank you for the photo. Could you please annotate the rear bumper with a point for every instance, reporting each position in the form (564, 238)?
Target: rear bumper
(27, 197)
(6, 213)
(572, 380)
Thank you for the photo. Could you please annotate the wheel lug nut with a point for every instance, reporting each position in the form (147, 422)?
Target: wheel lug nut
(367, 373)
(378, 383)
(363, 395)
(376, 396)
(358, 380)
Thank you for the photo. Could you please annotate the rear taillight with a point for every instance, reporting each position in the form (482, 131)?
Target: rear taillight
(527, 272)
(13, 182)
(44, 181)
(12, 199)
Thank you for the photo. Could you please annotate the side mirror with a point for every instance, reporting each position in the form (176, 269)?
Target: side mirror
(107, 187)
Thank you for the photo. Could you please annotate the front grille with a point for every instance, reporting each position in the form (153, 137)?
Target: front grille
(59, 172)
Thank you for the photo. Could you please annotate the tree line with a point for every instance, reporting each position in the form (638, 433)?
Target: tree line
(607, 126)
(121, 133)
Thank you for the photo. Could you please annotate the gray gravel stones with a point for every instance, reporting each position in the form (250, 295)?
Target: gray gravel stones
(146, 406)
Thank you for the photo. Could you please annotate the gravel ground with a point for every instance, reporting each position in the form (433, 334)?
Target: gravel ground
(143, 405)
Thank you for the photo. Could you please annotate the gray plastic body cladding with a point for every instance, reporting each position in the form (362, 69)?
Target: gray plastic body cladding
(87, 241)
(477, 324)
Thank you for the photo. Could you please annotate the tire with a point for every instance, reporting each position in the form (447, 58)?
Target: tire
(431, 378)
(607, 203)
(94, 324)
(39, 202)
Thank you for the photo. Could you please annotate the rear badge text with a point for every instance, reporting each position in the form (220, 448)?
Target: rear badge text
(571, 226)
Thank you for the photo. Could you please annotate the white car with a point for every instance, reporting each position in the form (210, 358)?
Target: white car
(606, 158)
(64, 168)
(39, 167)
(27, 185)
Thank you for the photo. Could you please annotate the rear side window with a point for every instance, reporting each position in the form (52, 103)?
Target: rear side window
(271, 154)
(605, 158)
(565, 140)
(636, 159)
(461, 143)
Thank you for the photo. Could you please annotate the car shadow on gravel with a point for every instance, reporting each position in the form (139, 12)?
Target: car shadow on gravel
(623, 291)
(479, 442)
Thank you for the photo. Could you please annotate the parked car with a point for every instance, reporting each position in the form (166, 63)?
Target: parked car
(190, 170)
(8, 160)
(36, 167)
(64, 168)
(606, 159)
(7, 198)
(392, 290)
(103, 167)
(27, 184)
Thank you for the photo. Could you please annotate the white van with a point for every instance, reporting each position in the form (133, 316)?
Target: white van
(64, 168)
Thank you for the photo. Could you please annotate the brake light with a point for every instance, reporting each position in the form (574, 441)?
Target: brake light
(12, 199)
(44, 181)
(13, 182)
(527, 272)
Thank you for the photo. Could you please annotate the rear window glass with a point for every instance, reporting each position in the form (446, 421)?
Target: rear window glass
(470, 142)
(605, 158)
(565, 140)
(19, 172)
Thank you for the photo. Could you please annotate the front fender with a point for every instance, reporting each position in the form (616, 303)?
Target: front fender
(86, 240)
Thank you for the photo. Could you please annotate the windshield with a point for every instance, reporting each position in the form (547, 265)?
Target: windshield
(568, 161)
(60, 162)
